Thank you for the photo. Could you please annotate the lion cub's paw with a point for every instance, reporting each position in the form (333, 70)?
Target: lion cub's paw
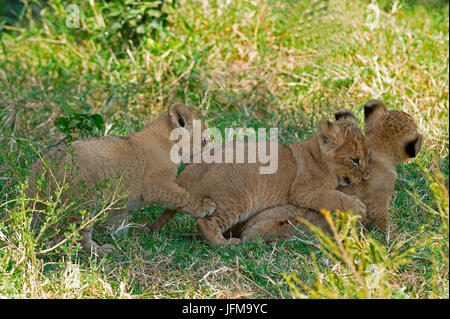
(358, 206)
(103, 249)
(208, 207)
(233, 241)
(227, 241)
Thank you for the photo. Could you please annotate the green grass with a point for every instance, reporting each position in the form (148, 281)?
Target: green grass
(282, 64)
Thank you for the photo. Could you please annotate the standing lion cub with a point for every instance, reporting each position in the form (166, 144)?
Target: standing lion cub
(308, 174)
(142, 162)
(392, 137)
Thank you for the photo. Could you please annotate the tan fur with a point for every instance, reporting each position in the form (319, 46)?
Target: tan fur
(307, 176)
(141, 160)
(392, 137)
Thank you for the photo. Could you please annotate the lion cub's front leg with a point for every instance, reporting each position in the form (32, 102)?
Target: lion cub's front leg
(330, 200)
(172, 196)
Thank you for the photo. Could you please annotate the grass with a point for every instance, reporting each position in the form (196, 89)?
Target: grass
(282, 64)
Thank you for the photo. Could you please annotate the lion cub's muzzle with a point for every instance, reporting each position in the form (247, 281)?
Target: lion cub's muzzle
(347, 181)
(344, 181)
(366, 176)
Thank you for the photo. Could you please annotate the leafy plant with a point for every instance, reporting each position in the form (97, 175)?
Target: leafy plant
(78, 122)
(37, 230)
(131, 20)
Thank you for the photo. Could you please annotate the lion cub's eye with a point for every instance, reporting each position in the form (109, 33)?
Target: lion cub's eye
(355, 160)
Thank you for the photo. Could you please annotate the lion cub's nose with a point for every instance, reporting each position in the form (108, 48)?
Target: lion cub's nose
(366, 176)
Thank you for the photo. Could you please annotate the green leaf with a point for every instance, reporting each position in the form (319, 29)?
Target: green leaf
(61, 121)
(140, 29)
(187, 25)
(87, 107)
(98, 121)
(154, 13)
(67, 109)
(73, 123)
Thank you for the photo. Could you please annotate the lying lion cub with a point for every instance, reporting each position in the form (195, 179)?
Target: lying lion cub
(308, 174)
(141, 160)
(392, 137)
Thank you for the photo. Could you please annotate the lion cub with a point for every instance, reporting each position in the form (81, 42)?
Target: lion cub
(142, 161)
(392, 137)
(308, 174)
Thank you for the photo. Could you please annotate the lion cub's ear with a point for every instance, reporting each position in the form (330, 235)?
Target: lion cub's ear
(374, 111)
(413, 147)
(179, 115)
(328, 133)
(345, 115)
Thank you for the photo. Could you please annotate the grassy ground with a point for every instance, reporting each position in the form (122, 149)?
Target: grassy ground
(255, 63)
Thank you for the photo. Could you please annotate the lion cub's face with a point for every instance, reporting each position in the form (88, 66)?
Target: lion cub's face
(391, 127)
(344, 148)
(185, 117)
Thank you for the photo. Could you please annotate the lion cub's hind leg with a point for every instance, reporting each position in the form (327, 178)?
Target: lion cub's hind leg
(212, 230)
(166, 216)
(90, 245)
(281, 222)
(271, 224)
(118, 221)
(227, 214)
